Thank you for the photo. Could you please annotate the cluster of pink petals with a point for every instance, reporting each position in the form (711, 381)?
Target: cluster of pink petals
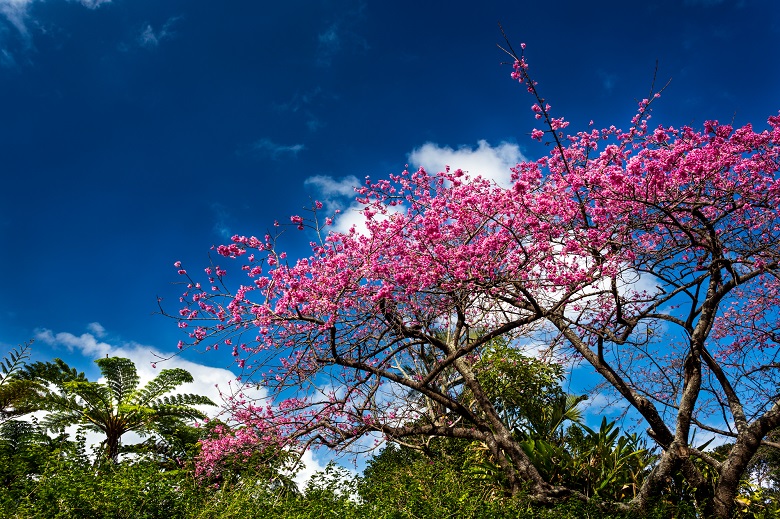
(602, 204)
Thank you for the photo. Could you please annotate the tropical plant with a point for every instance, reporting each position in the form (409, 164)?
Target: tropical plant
(599, 463)
(525, 391)
(25, 450)
(117, 406)
(17, 395)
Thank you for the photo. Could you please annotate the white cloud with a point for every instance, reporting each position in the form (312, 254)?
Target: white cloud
(349, 218)
(97, 329)
(338, 195)
(333, 189)
(93, 4)
(18, 11)
(492, 162)
(274, 150)
(308, 465)
(146, 358)
(485, 160)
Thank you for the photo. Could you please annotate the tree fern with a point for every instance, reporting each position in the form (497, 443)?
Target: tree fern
(119, 405)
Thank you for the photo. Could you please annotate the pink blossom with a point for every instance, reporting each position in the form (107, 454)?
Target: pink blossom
(642, 252)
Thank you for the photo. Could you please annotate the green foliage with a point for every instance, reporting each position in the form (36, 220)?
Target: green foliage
(328, 494)
(609, 465)
(521, 388)
(118, 405)
(46, 476)
(399, 483)
(71, 487)
(756, 502)
(17, 395)
(764, 468)
(25, 450)
(547, 422)
(403, 483)
(603, 464)
(56, 372)
(14, 361)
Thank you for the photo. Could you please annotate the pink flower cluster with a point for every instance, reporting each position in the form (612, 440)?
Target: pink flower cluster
(561, 246)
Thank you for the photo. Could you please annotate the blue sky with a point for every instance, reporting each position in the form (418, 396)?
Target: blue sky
(135, 133)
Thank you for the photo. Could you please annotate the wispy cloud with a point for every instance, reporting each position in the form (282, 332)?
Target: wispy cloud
(493, 162)
(7, 59)
(607, 81)
(17, 12)
(329, 43)
(275, 150)
(221, 221)
(150, 39)
(301, 103)
(339, 35)
(300, 100)
(93, 4)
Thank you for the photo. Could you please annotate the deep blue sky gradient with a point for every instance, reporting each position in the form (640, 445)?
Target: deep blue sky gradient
(135, 133)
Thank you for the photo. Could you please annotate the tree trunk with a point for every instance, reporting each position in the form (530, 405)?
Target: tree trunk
(112, 447)
(731, 473)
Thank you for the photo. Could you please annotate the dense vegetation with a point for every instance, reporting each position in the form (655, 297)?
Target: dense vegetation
(45, 473)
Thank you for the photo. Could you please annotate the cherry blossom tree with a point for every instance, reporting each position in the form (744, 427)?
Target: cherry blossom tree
(650, 254)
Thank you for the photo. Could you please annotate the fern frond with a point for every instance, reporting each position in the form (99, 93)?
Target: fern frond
(13, 361)
(166, 381)
(121, 377)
